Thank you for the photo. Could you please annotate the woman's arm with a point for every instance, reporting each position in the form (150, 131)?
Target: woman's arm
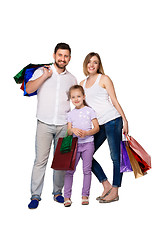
(108, 85)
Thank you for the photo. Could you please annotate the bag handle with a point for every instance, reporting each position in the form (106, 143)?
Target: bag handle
(128, 137)
(66, 133)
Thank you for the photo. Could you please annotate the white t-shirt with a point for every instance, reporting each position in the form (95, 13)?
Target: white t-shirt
(52, 97)
(98, 98)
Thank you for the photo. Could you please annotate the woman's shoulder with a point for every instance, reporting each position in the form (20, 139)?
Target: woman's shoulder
(82, 82)
(105, 79)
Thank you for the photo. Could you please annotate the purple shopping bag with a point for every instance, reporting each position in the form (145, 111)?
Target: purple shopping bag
(125, 165)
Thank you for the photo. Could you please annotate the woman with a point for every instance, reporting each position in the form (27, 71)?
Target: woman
(99, 90)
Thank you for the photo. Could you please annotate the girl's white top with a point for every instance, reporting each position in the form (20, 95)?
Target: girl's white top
(98, 98)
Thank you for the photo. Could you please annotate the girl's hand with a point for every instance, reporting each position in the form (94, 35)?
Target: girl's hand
(83, 134)
(125, 128)
(77, 132)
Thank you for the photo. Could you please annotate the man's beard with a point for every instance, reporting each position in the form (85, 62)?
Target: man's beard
(59, 66)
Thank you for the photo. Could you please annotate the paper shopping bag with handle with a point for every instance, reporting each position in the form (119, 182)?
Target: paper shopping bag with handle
(65, 160)
(135, 166)
(143, 158)
(125, 165)
(66, 143)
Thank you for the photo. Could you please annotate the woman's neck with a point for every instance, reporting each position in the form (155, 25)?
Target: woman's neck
(93, 76)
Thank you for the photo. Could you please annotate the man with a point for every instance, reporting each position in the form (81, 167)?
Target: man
(52, 84)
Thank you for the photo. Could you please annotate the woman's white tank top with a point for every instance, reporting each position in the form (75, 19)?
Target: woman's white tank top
(98, 98)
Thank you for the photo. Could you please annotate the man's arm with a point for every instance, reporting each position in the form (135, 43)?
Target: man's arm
(32, 86)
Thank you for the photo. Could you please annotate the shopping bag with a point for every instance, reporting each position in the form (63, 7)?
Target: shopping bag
(143, 165)
(65, 161)
(140, 154)
(135, 166)
(66, 144)
(125, 165)
(25, 74)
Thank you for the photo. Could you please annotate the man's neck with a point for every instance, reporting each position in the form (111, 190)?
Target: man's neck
(59, 70)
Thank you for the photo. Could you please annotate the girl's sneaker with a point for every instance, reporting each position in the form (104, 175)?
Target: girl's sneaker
(67, 203)
(85, 201)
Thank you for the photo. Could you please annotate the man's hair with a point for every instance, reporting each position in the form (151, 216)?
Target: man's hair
(62, 46)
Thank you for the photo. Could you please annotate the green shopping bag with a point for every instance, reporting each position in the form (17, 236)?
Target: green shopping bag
(66, 143)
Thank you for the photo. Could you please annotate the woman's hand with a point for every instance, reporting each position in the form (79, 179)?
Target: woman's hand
(125, 128)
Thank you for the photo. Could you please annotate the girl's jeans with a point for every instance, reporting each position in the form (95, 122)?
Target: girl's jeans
(85, 151)
(112, 131)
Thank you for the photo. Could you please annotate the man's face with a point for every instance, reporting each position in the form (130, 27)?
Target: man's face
(62, 58)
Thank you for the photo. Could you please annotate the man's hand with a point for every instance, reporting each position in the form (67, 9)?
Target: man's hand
(47, 72)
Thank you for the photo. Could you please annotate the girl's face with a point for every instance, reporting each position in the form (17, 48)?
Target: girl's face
(93, 65)
(77, 98)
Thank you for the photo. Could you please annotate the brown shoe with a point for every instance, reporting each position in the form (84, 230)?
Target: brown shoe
(108, 201)
(101, 197)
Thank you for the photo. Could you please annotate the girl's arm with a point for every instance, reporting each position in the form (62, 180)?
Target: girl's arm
(108, 85)
(71, 130)
(82, 133)
(94, 130)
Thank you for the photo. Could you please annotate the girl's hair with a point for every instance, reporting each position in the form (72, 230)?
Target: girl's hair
(86, 61)
(77, 87)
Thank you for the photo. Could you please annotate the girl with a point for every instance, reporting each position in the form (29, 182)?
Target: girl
(99, 90)
(80, 122)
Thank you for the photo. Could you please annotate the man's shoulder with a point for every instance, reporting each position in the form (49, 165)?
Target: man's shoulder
(71, 75)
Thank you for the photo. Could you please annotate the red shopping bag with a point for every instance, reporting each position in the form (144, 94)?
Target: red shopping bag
(142, 157)
(65, 161)
(135, 166)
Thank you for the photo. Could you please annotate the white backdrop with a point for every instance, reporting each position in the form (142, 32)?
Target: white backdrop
(126, 35)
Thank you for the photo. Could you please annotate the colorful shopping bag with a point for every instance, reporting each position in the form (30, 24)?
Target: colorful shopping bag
(135, 166)
(143, 158)
(125, 165)
(25, 74)
(66, 143)
(65, 161)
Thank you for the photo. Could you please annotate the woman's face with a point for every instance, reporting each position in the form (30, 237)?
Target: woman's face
(93, 65)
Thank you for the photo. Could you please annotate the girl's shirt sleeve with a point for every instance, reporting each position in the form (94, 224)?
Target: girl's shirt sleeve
(92, 114)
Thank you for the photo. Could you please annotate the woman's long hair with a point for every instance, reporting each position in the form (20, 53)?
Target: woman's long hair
(86, 61)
